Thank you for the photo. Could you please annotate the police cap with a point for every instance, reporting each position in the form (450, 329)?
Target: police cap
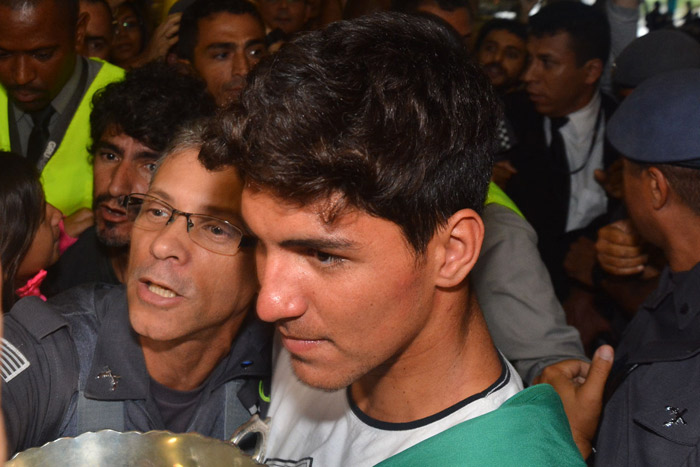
(660, 121)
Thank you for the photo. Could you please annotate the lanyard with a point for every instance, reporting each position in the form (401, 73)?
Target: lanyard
(593, 141)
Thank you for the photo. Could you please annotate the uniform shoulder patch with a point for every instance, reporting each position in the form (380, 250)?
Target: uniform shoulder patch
(13, 361)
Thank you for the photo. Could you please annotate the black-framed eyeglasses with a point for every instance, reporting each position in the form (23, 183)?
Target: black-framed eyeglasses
(211, 233)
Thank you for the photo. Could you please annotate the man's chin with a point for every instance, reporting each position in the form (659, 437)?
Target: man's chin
(112, 239)
(328, 381)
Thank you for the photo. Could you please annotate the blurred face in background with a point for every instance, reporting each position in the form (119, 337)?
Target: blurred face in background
(99, 31)
(503, 55)
(128, 34)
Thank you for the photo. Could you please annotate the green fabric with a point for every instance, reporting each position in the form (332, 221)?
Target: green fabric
(529, 429)
(67, 177)
(498, 196)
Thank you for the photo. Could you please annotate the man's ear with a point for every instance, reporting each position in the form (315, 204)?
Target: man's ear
(658, 187)
(80, 30)
(594, 70)
(458, 248)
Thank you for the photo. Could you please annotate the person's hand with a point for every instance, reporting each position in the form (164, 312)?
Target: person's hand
(619, 249)
(164, 37)
(580, 259)
(76, 223)
(580, 386)
(611, 179)
(502, 172)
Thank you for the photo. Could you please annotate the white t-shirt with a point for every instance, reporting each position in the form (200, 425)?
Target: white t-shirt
(324, 429)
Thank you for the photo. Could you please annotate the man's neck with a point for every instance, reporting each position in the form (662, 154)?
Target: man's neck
(682, 249)
(452, 359)
(186, 364)
(119, 259)
(584, 99)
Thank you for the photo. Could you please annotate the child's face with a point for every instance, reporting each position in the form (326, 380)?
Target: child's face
(44, 249)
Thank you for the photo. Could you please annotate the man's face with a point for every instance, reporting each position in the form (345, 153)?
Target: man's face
(99, 31)
(228, 46)
(557, 85)
(503, 56)
(287, 15)
(122, 166)
(348, 298)
(460, 19)
(37, 53)
(176, 289)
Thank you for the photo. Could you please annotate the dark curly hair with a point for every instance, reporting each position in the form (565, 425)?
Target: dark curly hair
(386, 110)
(21, 213)
(150, 105)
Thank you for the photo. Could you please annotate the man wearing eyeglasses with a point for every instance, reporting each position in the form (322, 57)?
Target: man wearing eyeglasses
(175, 349)
(131, 124)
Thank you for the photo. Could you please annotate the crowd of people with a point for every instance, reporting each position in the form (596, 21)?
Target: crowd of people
(409, 235)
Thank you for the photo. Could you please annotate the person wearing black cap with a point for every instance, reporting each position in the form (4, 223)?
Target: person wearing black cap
(652, 416)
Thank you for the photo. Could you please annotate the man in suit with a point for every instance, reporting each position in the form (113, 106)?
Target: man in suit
(560, 152)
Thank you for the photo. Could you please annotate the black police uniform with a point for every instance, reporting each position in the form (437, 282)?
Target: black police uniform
(653, 416)
(74, 364)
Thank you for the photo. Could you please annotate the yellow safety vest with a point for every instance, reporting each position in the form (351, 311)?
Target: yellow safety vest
(496, 195)
(67, 177)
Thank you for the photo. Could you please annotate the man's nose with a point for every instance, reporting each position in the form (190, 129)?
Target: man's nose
(280, 295)
(122, 180)
(23, 71)
(530, 74)
(240, 65)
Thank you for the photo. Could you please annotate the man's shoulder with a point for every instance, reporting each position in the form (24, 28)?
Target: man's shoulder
(85, 261)
(529, 429)
(104, 72)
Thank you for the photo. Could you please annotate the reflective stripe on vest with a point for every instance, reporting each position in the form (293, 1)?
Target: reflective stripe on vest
(497, 196)
(67, 177)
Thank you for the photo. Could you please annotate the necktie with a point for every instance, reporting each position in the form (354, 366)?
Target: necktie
(40, 134)
(557, 149)
(560, 167)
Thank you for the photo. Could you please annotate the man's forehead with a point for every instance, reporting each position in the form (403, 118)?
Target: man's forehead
(40, 25)
(504, 36)
(559, 42)
(232, 23)
(329, 213)
(116, 138)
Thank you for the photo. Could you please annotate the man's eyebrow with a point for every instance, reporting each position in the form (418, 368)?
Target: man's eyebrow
(319, 243)
(222, 46)
(253, 42)
(148, 155)
(109, 146)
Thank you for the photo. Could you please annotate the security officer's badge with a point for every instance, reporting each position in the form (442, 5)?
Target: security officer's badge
(111, 377)
(676, 415)
(677, 420)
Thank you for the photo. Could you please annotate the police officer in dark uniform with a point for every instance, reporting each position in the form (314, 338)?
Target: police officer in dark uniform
(177, 348)
(652, 413)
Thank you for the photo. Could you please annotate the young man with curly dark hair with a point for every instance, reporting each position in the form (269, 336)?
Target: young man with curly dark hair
(131, 124)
